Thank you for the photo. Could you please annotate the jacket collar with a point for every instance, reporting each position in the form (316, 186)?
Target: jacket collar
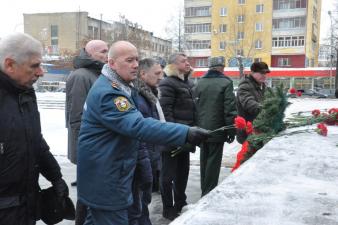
(10, 85)
(214, 74)
(254, 82)
(171, 71)
(115, 78)
(146, 91)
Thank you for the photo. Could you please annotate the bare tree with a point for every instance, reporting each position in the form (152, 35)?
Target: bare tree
(175, 31)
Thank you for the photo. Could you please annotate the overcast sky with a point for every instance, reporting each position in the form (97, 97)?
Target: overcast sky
(153, 15)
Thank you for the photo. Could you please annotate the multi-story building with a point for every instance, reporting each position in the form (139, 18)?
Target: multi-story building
(283, 33)
(64, 33)
(198, 22)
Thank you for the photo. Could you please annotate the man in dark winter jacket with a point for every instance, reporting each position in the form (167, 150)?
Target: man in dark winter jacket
(250, 95)
(216, 107)
(111, 129)
(88, 67)
(176, 98)
(24, 153)
(149, 76)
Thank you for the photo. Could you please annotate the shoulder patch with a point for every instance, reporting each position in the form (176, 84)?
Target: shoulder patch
(122, 103)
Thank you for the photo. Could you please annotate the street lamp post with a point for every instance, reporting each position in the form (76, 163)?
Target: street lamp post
(331, 45)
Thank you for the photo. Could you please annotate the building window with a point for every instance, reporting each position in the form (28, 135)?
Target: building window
(284, 62)
(222, 45)
(289, 4)
(223, 12)
(241, 2)
(258, 44)
(198, 28)
(222, 28)
(289, 23)
(202, 62)
(240, 19)
(259, 27)
(198, 44)
(259, 8)
(240, 35)
(54, 35)
(197, 11)
(288, 41)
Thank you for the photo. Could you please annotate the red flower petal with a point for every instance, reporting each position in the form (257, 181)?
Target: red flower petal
(249, 128)
(292, 91)
(240, 122)
(315, 112)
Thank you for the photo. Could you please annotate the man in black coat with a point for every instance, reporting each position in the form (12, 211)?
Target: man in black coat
(24, 153)
(88, 67)
(177, 102)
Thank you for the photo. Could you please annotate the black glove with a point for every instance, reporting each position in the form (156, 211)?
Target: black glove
(230, 138)
(61, 188)
(197, 135)
(230, 135)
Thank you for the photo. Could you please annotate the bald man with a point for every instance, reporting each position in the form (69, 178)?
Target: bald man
(88, 66)
(109, 137)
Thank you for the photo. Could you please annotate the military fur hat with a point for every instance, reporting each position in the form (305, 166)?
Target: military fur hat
(216, 61)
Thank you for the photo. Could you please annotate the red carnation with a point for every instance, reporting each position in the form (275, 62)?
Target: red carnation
(249, 128)
(321, 129)
(299, 93)
(292, 91)
(315, 112)
(329, 119)
(240, 122)
(333, 110)
(240, 155)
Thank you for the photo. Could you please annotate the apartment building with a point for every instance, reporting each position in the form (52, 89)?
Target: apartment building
(64, 33)
(283, 33)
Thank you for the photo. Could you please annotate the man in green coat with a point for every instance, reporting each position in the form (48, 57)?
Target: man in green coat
(216, 107)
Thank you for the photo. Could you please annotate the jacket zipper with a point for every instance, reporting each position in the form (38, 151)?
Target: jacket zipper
(2, 149)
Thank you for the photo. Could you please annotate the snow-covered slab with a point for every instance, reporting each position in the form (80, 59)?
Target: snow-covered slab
(293, 180)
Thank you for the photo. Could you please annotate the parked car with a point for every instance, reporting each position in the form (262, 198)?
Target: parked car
(312, 93)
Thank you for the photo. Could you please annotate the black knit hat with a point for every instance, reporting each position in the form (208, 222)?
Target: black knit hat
(260, 67)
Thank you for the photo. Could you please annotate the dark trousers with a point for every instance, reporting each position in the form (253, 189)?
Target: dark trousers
(174, 178)
(105, 217)
(210, 166)
(81, 213)
(138, 213)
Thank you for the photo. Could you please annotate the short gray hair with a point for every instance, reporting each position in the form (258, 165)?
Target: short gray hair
(146, 64)
(19, 47)
(172, 58)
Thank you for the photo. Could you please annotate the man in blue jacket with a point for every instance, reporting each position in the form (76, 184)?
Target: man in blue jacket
(110, 132)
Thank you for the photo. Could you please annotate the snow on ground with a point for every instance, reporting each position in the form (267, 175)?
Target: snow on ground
(51, 106)
(291, 181)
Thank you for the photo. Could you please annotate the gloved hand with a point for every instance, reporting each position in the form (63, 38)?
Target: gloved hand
(60, 188)
(197, 135)
(230, 135)
(230, 138)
